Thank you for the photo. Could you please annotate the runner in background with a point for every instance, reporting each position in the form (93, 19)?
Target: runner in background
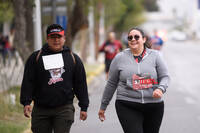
(110, 47)
(156, 41)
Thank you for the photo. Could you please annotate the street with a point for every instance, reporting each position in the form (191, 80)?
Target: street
(182, 108)
(182, 101)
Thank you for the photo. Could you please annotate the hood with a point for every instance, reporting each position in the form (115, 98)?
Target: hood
(128, 50)
(148, 52)
(46, 49)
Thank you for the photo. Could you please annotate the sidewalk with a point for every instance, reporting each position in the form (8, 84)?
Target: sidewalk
(93, 124)
(94, 73)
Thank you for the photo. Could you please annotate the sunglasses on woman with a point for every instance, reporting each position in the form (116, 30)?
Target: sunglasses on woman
(136, 37)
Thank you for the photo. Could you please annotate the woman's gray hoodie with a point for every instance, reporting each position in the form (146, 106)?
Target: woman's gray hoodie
(136, 81)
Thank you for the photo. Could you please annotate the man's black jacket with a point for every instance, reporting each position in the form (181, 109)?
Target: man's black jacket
(39, 85)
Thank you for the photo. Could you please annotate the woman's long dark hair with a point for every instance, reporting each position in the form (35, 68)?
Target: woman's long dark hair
(148, 42)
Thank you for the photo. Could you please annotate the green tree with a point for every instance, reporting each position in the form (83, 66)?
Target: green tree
(28, 5)
(6, 11)
(120, 14)
(20, 27)
(20, 12)
(77, 18)
(150, 5)
(113, 12)
(132, 16)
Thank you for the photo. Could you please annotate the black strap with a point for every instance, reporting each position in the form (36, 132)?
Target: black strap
(39, 53)
(74, 60)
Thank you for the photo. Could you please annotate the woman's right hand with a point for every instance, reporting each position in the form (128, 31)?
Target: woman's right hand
(102, 115)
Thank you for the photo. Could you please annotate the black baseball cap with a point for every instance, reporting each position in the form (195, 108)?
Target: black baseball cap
(55, 29)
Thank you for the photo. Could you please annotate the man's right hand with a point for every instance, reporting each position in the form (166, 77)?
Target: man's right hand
(27, 111)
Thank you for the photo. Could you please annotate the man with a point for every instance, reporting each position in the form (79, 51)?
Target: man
(52, 77)
(110, 47)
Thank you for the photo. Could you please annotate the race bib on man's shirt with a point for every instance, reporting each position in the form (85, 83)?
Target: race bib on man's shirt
(53, 61)
(55, 65)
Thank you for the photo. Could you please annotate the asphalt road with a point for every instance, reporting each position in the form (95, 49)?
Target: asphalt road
(182, 100)
(182, 112)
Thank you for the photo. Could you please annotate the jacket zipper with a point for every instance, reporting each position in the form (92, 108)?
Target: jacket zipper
(141, 90)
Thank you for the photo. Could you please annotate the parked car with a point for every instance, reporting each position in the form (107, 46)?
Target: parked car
(177, 35)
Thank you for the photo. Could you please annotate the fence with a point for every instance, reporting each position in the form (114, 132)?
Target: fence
(11, 71)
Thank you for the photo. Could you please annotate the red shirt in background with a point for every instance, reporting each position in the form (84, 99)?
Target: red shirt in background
(111, 48)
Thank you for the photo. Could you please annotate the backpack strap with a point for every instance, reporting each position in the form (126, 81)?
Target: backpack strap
(74, 60)
(39, 53)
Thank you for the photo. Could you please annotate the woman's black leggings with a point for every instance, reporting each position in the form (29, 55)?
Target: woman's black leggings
(139, 118)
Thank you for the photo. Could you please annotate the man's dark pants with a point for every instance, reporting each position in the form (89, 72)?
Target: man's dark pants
(46, 120)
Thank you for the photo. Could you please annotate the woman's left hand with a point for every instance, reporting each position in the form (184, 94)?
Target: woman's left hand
(157, 93)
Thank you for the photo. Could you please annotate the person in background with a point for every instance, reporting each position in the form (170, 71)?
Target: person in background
(140, 76)
(2, 47)
(156, 41)
(52, 77)
(5, 49)
(110, 47)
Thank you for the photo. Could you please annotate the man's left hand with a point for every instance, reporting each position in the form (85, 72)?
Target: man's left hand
(83, 115)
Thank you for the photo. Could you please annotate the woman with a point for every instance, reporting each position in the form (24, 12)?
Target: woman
(141, 78)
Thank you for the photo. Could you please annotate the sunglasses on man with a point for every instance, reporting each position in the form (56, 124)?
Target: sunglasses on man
(136, 37)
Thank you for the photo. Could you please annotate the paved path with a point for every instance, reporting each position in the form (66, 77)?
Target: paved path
(93, 124)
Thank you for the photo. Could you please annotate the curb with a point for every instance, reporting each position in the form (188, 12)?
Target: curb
(99, 69)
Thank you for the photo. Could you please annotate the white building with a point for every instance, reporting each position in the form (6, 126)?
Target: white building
(186, 11)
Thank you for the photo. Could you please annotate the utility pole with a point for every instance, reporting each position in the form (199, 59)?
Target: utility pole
(102, 26)
(91, 58)
(53, 2)
(37, 26)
